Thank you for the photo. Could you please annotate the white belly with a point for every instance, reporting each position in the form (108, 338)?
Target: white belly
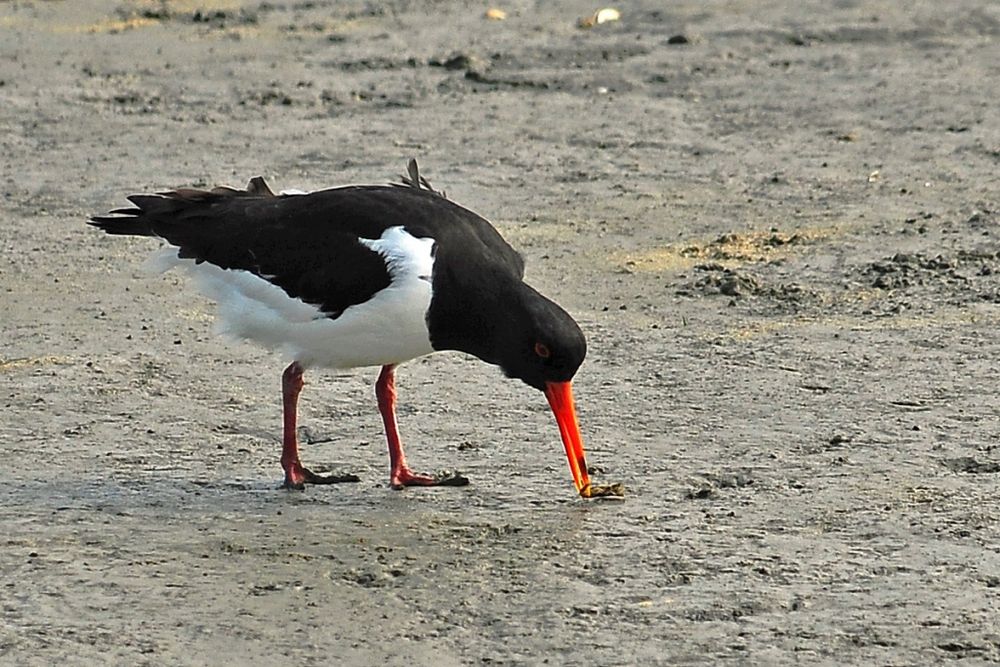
(389, 328)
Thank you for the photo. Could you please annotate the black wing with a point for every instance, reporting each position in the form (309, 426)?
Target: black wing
(309, 251)
(308, 244)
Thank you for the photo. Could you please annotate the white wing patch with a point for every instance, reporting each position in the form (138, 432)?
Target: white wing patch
(389, 328)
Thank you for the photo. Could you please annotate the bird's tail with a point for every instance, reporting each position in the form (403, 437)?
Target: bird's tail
(138, 221)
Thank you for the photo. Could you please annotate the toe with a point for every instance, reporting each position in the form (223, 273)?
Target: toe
(452, 479)
(313, 478)
(406, 477)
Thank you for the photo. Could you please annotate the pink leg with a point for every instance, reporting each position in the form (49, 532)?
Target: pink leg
(400, 474)
(296, 475)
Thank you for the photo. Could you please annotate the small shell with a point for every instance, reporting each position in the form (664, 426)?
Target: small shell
(605, 15)
(603, 491)
(496, 14)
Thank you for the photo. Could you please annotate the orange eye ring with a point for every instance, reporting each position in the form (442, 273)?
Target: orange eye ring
(542, 350)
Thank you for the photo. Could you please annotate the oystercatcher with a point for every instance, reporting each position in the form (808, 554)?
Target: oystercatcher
(366, 275)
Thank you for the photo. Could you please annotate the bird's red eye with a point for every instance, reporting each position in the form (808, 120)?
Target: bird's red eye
(542, 350)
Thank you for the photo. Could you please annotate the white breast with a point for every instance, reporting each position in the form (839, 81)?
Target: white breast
(389, 328)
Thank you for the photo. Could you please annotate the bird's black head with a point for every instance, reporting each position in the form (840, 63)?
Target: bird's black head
(505, 322)
(541, 344)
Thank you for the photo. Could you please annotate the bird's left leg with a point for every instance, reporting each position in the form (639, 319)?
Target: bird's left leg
(400, 474)
(297, 475)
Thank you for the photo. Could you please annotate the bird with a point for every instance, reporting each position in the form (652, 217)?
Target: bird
(366, 276)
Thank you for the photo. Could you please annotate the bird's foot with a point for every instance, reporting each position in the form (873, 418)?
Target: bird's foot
(297, 476)
(405, 477)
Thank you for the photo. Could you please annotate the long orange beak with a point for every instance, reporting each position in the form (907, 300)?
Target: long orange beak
(560, 395)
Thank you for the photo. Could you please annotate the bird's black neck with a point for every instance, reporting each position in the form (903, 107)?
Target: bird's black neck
(504, 321)
(472, 315)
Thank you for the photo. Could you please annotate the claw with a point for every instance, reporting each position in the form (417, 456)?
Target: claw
(406, 477)
(303, 476)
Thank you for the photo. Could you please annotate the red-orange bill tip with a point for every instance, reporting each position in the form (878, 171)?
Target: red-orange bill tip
(560, 397)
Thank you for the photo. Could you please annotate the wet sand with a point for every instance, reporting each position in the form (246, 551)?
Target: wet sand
(776, 223)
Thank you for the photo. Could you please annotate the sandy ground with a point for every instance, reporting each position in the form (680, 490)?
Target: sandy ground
(775, 221)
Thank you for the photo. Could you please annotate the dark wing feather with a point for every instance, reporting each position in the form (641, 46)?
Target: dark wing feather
(457, 229)
(416, 181)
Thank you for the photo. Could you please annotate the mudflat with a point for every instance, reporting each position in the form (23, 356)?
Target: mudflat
(775, 221)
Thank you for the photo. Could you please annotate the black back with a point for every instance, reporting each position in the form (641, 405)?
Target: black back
(308, 244)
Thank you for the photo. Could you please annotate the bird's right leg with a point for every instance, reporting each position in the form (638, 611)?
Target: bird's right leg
(400, 474)
(297, 475)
